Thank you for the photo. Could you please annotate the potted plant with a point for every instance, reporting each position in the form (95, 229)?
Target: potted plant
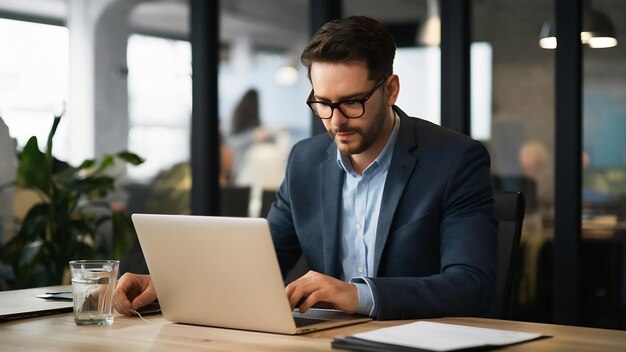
(62, 226)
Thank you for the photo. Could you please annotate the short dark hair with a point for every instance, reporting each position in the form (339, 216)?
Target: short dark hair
(353, 38)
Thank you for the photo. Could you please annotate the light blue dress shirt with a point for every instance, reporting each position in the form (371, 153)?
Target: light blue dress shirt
(362, 196)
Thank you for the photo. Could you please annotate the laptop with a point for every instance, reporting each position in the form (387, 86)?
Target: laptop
(223, 272)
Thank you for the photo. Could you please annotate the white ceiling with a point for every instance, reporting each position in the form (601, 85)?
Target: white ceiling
(269, 23)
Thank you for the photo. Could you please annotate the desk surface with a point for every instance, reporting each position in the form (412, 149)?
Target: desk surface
(59, 333)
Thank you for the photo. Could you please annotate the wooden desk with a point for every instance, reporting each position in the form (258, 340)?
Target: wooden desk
(59, 333)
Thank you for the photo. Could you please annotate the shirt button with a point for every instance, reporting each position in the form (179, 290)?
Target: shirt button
(360, 269)
(358, 226)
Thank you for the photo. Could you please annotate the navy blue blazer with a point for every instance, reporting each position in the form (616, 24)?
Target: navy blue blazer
(435, 250)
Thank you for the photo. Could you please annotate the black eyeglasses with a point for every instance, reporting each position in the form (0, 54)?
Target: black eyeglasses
(350, 108)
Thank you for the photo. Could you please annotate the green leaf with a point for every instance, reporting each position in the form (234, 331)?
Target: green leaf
(86, 164)
(29, 253)
(64, 176)
(34, 224)
(92, 186)
(53, 131)
(32, 172)
(106, 162)
(130, 157)
(64, 202)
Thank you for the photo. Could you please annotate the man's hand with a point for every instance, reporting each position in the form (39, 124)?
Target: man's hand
(313, 288)
(133, 292)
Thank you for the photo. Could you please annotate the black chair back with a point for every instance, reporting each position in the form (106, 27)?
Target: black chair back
(268, 197)
(234, 201)
(509, 208)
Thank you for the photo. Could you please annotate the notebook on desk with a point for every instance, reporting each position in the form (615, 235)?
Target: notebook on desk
(223, 272)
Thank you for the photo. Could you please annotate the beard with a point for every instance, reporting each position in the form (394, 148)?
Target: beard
(365, 136)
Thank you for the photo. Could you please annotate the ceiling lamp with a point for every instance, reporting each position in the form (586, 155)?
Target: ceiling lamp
(286, 75)
(430, 32)
(598, 31)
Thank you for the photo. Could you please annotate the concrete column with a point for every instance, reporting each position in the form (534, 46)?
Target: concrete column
(111, 73)
(97, 110)
(81, 15)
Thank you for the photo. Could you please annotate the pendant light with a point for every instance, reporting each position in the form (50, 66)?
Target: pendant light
(598, 30)
(430, 32)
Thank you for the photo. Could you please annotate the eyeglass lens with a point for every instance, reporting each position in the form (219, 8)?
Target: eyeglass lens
(351, 108)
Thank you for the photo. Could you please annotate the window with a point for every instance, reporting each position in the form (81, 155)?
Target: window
(33, 79)
(159, 89)
(419, 69)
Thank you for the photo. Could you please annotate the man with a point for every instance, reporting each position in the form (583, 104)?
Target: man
(393, 214)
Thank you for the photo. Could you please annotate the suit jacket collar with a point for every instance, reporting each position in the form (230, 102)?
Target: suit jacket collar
(332, 184)
(403, 162)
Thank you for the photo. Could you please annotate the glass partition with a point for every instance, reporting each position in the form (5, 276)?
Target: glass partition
(262, 93)
(262, 89)
(521, 133)
(603, 267)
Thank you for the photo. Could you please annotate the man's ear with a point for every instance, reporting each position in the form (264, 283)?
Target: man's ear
(393, 89)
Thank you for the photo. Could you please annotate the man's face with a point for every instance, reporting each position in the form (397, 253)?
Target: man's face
(334, 82)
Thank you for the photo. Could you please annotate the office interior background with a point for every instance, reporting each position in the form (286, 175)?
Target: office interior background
(120, 72)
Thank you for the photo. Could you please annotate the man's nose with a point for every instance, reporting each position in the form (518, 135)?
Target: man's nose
(338, 118)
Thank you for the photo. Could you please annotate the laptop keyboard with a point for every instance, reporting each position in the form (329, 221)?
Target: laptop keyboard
(307, 321)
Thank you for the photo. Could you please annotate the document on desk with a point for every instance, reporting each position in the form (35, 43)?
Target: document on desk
(430, 336)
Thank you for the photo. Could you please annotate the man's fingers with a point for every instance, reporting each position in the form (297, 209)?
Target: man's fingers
(310, 301)
(145, 298)
(121, 303)
(305, 292)
(120, 296)
(314, 288)
(295, 294)
(126, 283)
(133, 292)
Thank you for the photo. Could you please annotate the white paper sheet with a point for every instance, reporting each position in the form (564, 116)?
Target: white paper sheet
(444, 337)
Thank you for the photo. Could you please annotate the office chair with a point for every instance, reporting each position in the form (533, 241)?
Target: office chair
(518, 183)
(267, 198)
(234, 201)
(301, 266)
(509, 208)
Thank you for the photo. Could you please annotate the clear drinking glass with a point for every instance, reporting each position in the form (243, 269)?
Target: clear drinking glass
(93, 284)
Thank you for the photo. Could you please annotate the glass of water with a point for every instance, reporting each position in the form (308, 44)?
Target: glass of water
(93, 284)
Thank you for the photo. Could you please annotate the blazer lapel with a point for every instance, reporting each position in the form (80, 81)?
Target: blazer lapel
(403, 163)
(331, 176)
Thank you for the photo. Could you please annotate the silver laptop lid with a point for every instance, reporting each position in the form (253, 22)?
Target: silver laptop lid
(215, 271)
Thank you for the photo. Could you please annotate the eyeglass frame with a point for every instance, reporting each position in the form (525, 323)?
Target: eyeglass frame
(337, 105)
